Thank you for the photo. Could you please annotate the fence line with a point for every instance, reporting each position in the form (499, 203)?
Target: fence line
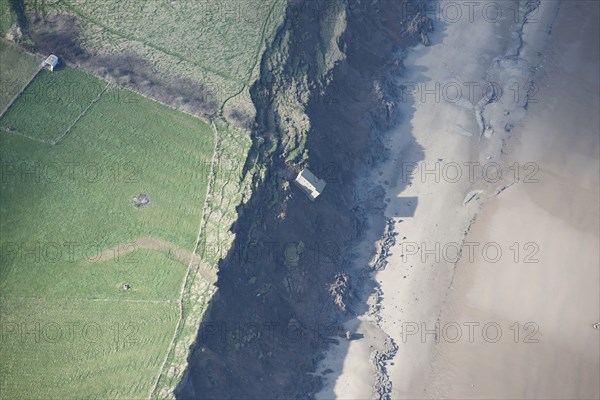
(61, 137)
(11, 102)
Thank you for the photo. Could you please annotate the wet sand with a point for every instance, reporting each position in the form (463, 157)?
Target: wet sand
(558, 290)
(426, 293)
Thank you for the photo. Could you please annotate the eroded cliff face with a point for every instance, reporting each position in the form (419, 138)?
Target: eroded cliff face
(322, 101)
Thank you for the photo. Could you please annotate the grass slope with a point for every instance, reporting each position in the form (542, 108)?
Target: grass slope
(217, 44)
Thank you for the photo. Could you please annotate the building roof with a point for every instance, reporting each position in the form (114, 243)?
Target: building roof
(51, 60)
(310, 184)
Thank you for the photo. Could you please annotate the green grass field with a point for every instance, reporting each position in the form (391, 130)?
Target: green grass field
(58, 98)
(7, 16)
(71, 348)
(68, 328)
(218, 44)
(16, 69)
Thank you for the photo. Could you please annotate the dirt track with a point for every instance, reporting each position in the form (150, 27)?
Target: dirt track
(178, 254)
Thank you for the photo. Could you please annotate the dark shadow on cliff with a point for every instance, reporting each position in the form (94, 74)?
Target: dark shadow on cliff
(369, 246)
(288, 284)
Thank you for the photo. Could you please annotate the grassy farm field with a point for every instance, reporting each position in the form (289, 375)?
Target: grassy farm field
(16, 69)
(94, 147)
(7, 16)
(60, 348)
(70, 238)
(51, 103)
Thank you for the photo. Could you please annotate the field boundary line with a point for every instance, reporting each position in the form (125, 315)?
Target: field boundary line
(86, 299)
(192, 263)
(204, 120)
(16, 96)
(66, 132)
(17, 133)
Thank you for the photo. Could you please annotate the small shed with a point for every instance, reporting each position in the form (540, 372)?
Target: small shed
(141, 200)
(51, 62)
(310, 184)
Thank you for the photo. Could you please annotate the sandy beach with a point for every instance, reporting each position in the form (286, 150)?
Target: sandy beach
(492, 286)
(557, 292)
